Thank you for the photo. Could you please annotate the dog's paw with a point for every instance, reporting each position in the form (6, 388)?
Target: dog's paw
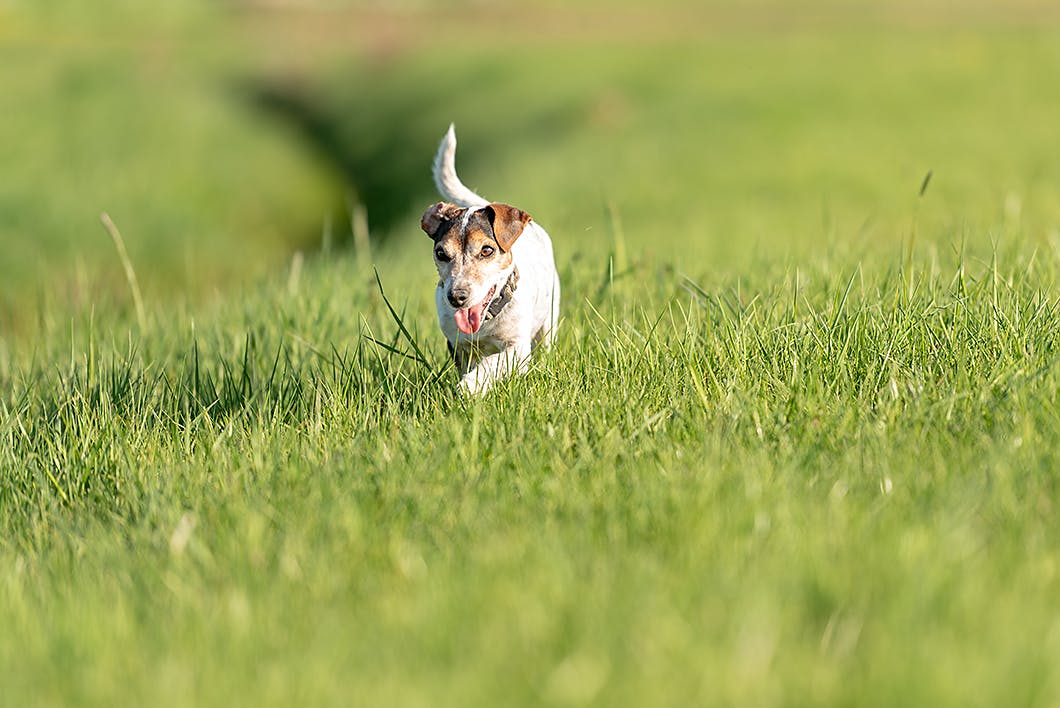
(474, 383)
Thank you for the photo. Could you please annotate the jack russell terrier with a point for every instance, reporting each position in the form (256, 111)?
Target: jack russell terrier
(498, 290)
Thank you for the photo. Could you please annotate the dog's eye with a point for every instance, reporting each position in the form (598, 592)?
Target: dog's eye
(486, 251)
(441, 255)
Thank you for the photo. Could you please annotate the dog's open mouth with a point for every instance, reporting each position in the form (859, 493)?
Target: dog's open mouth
(470, 318)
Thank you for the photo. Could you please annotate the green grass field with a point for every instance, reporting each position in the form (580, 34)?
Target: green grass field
(797, 443)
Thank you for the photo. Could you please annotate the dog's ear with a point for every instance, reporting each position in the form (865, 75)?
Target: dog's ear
(508, 223)
(436, 215)
(432, 219)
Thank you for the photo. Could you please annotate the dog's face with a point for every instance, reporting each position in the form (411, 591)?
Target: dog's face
(472, 251)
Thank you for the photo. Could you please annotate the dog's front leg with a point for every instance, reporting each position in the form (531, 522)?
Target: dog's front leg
(493, 367)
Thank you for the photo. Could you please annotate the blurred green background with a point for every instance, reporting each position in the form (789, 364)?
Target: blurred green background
(222, 137)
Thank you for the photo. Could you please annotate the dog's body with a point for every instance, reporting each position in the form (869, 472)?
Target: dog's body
(498, 290)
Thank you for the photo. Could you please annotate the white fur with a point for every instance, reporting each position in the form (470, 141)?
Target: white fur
(503, 344)
(449, 185)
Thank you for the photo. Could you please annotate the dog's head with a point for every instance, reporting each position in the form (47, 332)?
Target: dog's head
(472, 251)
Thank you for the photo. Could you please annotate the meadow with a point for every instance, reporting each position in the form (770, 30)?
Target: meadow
(797, 442)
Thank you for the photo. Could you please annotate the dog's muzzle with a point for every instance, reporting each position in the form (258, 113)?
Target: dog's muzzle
(470, 319)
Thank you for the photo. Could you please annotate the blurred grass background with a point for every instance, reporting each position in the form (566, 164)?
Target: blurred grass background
(222, 137)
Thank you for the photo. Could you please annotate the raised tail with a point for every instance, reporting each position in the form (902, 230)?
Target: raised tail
(450, 186)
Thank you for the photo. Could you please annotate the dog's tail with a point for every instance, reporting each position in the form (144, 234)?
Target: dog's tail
(445, 177)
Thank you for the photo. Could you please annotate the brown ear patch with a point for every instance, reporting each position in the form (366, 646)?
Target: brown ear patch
(508, 223)
(437, 215)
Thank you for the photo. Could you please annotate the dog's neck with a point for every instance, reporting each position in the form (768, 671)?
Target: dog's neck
(502, 300)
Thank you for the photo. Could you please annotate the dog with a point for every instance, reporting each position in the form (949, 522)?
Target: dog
(498, 289)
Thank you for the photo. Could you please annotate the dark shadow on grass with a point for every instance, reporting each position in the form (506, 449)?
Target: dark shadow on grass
(382, 160)
(379, 134)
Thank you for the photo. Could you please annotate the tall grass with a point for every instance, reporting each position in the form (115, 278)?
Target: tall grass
(817, 483)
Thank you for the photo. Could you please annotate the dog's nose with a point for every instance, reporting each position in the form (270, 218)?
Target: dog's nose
(457, 297)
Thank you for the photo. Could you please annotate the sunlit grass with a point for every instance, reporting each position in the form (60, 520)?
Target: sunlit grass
(830, 491)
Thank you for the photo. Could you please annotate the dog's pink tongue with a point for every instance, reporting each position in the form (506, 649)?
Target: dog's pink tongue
(469, 320)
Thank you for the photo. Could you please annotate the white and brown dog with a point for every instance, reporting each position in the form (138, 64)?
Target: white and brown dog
(498, 290)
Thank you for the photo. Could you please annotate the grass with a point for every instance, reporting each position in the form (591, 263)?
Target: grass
(143, 124)
(796, 443)
(830, 498)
